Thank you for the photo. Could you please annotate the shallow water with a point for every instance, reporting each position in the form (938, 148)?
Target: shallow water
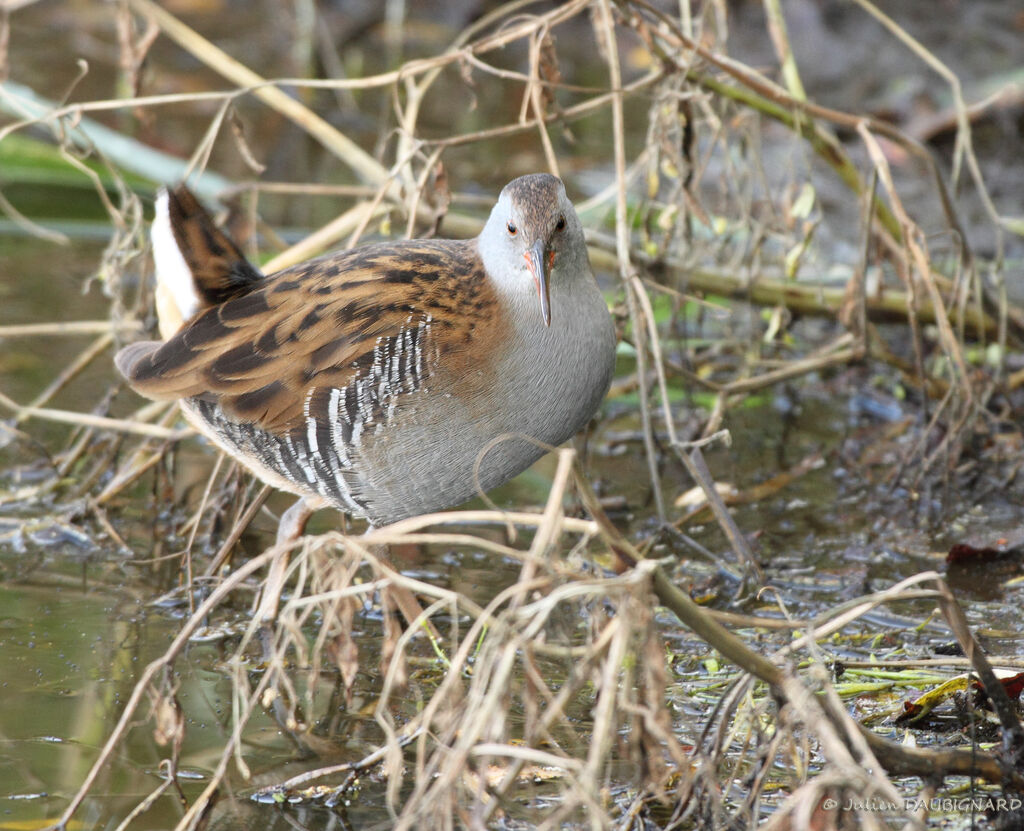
(76, 627)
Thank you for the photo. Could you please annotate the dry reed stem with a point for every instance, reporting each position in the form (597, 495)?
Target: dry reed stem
(466, 722)
(117, 425)
(86, 357)
(631, 283)
(68, 327)
(362, 162)
(922, 273)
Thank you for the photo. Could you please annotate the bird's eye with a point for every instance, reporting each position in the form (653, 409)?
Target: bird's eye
(560, 225)
(512, 228)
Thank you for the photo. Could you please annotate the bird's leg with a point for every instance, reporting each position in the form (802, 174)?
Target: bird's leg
(289, 529)
(403, 598)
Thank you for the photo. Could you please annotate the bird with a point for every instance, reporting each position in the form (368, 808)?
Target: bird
(392, 379)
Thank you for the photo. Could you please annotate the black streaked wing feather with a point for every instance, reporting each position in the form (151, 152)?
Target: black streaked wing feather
(312, 327)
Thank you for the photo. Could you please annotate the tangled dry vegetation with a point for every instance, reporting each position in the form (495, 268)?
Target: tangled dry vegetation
(553, 703)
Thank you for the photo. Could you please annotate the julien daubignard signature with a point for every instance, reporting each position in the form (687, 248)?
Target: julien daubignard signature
(937, 804)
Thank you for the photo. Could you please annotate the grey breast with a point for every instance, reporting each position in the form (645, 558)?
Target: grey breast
(549, 385)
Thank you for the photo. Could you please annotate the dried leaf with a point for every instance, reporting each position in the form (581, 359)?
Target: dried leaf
(389, 651)
(342, 649)
(238, 131)
(466, 72)
(548, 68)
(168, 718)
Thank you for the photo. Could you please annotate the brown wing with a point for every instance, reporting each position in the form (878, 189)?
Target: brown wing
(260, 355)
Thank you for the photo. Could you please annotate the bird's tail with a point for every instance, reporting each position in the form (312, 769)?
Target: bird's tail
(197, 264)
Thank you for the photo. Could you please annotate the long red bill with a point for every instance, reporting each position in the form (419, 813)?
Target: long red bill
(537, 261)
